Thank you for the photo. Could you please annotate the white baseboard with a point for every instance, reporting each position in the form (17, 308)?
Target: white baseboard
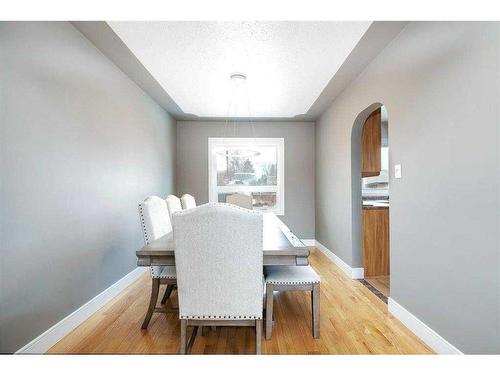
(353, 273)
(419, 328)
(309, 243)
(357, 273)
(55, 333)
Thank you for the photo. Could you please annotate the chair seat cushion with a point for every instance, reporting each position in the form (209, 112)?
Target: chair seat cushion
(291, 275)
(163, 272)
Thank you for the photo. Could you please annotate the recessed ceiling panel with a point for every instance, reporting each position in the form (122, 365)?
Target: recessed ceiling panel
(287, 64)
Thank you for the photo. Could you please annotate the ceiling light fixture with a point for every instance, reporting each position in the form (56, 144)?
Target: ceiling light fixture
(238, 78)
(239, 93)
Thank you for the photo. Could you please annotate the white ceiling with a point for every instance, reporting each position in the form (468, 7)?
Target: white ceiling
(288, 64)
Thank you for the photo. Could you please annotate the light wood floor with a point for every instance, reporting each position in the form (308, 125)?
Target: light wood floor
(353, 321)
(381, 283)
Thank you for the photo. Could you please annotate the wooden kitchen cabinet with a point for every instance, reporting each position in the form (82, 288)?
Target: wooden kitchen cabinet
(376, 241)
(371, 143)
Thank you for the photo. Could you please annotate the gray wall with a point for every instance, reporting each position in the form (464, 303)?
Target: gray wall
(81, 145)
(440, 83)
(192, 164)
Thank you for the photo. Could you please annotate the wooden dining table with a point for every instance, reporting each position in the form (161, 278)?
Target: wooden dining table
(280, 247)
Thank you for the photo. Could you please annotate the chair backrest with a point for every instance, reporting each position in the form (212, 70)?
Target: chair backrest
(218, 257)
(241, 200)
(154, 217)
(173, 204)
(188, 202)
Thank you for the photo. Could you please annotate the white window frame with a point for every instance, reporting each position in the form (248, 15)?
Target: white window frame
(213, 190)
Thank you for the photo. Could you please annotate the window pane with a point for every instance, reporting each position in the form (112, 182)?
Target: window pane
(246, 165)
(264, 200)
(222, 197)
(260, 200)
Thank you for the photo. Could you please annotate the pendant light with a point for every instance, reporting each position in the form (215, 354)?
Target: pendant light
(238, 90)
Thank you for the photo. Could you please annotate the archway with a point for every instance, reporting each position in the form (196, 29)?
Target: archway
(369, 196)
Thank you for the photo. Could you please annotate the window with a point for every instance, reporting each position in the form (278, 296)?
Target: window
(253, 166)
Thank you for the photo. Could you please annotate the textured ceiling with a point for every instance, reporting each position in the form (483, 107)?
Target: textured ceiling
(288, 64)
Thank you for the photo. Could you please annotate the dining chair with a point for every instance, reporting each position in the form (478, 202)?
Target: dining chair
(188, 201)
(241, 200)
(155, 222)
(286, 278)
(219, 260)
(173, 204)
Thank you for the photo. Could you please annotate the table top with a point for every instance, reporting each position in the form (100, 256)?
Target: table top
(278, 240)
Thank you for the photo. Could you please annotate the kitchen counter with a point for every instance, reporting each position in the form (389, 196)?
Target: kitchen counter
(386, 207)
(373, 204)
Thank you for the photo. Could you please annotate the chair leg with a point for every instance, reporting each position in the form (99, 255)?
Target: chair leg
(258, 336)
(183, 347)
(315, 310)
(167, 294)
(155, 288)
(269, 311)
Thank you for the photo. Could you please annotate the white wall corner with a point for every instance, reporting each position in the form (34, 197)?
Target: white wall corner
(419, 328)
(353, 273)
(55, 333)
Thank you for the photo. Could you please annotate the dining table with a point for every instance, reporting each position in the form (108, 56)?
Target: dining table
(281, 247)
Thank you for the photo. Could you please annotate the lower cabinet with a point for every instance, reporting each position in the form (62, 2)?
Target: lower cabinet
(376, 241)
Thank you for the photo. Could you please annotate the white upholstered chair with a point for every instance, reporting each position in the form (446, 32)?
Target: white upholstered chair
(155, 223)
(285, 278)
(218, 256)
(173, 204)
(241, 200)
(188, 201)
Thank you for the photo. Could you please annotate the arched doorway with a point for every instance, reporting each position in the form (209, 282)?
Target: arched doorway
(370, 197)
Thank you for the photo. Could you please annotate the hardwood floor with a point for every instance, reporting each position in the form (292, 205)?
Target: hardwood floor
(381, 283)
(353, 321)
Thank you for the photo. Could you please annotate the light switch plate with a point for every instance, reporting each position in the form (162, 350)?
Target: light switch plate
(397, 171)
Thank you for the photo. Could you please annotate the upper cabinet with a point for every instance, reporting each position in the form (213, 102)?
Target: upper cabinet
(371, 142)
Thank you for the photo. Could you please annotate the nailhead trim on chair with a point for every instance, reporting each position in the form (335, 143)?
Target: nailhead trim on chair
(166, 277)
(204, 317)
(145, 234)
(147, 241)
(292, 282)
(144, 230)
